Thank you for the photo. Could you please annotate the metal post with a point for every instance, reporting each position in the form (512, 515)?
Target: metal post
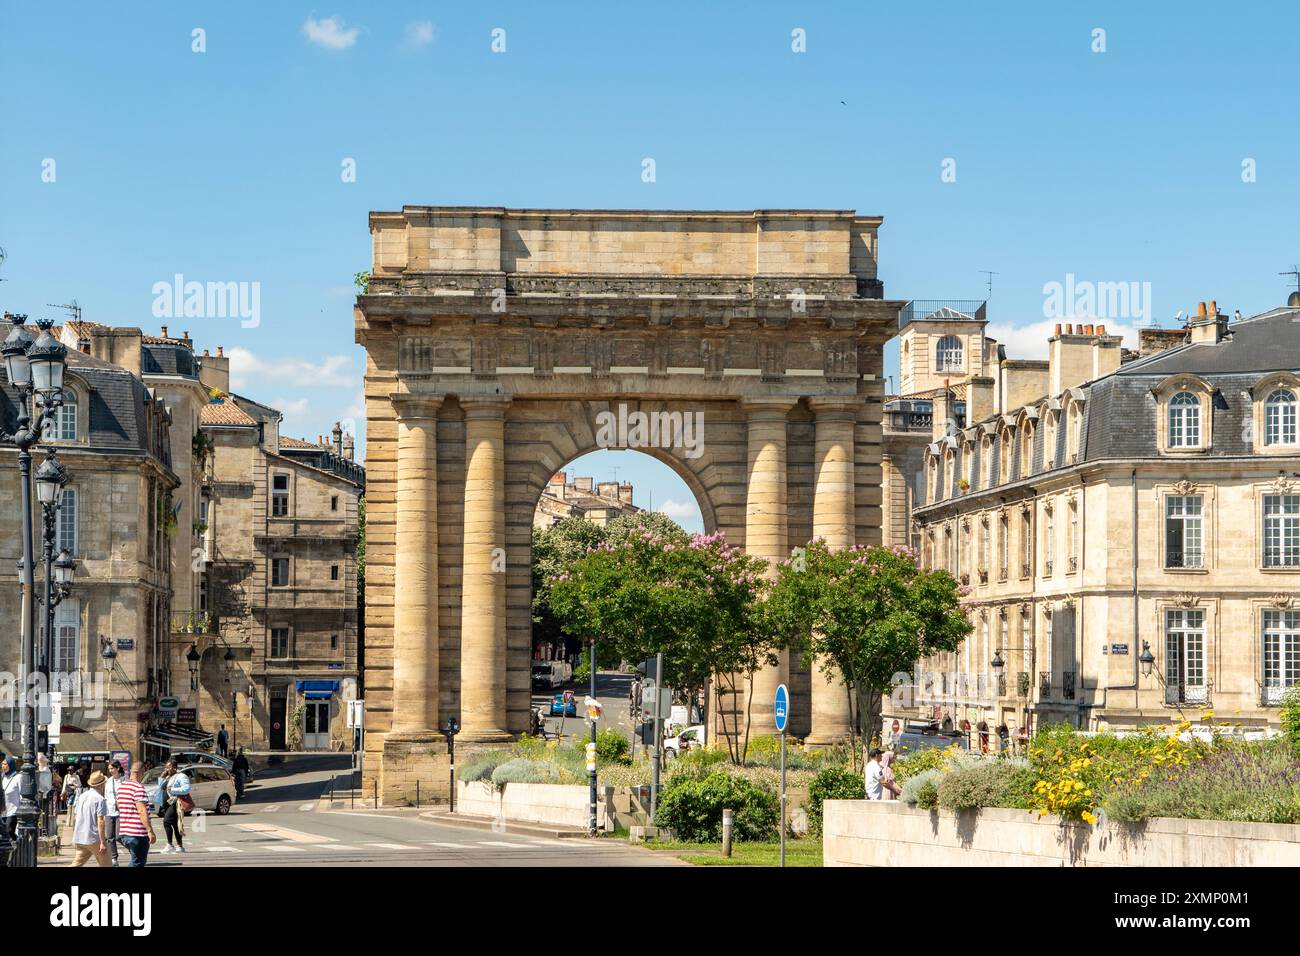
(376, 783)
(783, 798)
(591, 759)
(417, 794)
(655, 755)
(451, 754)
(727, 822)
(24, 852)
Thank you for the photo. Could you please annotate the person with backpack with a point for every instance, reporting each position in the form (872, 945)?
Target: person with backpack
(172, 787)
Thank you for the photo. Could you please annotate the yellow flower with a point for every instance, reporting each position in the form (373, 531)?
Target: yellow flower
(1092, 820)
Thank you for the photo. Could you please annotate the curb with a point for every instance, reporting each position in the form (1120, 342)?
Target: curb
(488, 823)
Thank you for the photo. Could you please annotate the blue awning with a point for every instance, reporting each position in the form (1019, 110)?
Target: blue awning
(319, 695)
(319, 686)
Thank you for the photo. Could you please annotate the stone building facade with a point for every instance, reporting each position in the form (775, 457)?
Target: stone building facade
(279, 579)
(599, 503)
(1130, 536)
(115, 436)
(495, 338)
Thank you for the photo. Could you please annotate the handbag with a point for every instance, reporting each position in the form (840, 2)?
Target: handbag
(186, 803)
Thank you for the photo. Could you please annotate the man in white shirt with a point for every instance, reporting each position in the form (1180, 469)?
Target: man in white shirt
(110, 808)
(875, 789)
(88, 823)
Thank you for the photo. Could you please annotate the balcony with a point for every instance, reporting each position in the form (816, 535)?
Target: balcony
(1272, 696)
(940, 310)
(1002, 574)
(1022, 684)
(1044, 685)
(1064, 690)
(901, 419)
(1026, 570)
(1047, 569)
(1073, 565)
(1197, 695)
(193, 622)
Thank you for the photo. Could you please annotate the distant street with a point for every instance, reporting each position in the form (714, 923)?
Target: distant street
(283, 821)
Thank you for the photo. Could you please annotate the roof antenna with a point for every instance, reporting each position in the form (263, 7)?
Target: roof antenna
(1294, 272)
(72, 308)
(988, 275)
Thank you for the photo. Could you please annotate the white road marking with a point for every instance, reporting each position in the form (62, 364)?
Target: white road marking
(451, 846)
(307, 806)
(332, 846)
(272, 808)
(391, 846)
(284, 833)
(504, 844)
(221, 849)
(284, 849)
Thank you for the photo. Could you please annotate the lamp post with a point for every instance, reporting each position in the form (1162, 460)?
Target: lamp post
(33, 368)
(192, 659)
(50, 480)
(229, 659)
(1146, 659)
(449, 730)
(109, 653)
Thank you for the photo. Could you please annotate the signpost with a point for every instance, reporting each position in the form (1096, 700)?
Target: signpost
(781, 711)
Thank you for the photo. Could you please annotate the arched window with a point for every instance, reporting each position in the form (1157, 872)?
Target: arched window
(1184, 421)
(1026, 450)
(1280, 418)
(65, 421)
(947, 354)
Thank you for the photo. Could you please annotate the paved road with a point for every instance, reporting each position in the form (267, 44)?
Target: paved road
(282, 822)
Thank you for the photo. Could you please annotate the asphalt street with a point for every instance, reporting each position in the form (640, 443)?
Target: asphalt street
(285, 820)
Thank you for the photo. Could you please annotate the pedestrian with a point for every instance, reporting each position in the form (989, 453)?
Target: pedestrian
(45, 792)
(171, 787)
(115, 778)
(11, 783)
(222, 740)
(71, 784)
(241, 773)
(890, 790)
(134, 822)
(1004, 738)
(984, 736)
(875, 775)
(88, 829)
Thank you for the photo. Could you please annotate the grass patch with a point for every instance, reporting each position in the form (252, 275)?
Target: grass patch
(805, 852)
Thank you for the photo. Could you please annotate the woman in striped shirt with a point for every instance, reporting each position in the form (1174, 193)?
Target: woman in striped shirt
(134, 826)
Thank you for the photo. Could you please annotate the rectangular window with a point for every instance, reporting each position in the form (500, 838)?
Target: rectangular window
(334, 572)
(1183, 531)
(1049, 543)
(1004, 547)
(334, 502)
(334, 642)
(1026, 545)
(1074, 536)
(1281, 531)
(65, 428)
(1185, 656)
(67, 638)
(67, 533)
(279, 572)
(279, 642)
(1281, 653)
(279, 496)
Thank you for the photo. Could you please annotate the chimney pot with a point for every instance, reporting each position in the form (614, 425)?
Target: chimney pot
(1200, 310)
(1069, 328)
(219, 351)
(1058, 328)
(1101, 330)
(1214, 307)
(164, 331)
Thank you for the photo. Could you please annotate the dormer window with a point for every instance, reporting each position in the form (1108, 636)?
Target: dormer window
(948, 354)
(1185, 421)
(1280, 417)
(65, 427)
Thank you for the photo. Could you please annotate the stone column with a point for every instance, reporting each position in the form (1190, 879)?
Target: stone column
(834, 520)
(415, 589)
(766, 534)
(483, 587)
(414, 751)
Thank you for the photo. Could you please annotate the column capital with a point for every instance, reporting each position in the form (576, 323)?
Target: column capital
(830, 408)
(409, 406)
(775, 408)
(484, 407)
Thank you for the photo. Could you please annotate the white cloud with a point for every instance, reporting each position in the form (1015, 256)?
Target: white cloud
(1030, 341)
(680, 509)
(292, 407)
(247, 371)
(419, 33)
(330, 33)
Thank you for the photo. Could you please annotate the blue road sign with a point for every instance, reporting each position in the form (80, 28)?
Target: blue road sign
(781, 707)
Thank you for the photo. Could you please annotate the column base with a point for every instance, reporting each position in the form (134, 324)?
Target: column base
(411, 759)
(822, 741)
(488, 736)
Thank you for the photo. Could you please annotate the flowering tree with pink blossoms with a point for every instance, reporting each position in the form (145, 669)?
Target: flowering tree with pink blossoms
(696, 602)
(861, 615)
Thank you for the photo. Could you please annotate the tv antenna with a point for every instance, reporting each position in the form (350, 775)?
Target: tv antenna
(988, 276)
(3, 256)
(73, 309)
(1293, 272)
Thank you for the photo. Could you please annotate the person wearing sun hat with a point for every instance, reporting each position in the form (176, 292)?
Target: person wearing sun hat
(88, 838)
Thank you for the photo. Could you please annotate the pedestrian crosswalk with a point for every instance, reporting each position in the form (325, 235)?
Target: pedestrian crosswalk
(297, 842)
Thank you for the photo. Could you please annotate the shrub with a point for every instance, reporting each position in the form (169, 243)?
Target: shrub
(918, 761)
(990, 783)
(1291, 718)
(922, 789)
(693, 808)
(523, 770)
(766, 752)
(481, 765)
(833, 783)
(612, 747)
(696, 764)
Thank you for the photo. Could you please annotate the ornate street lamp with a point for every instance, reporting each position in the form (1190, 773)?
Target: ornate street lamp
(50, 479)
(64, 569)
(109, 653)
(192, 659)
(997, 663)
(32, 368)
(1146, 659)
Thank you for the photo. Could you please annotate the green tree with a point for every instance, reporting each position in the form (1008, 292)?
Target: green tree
(693, 601)
(861, 616)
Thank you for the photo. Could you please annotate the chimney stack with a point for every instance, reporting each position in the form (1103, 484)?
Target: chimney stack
(1210, 327)
(1073, 359)
(337, 435)
(349, 447)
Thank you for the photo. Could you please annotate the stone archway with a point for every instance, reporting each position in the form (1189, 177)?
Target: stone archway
(497, 338)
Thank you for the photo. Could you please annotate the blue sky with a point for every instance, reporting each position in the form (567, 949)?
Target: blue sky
(1117, 166)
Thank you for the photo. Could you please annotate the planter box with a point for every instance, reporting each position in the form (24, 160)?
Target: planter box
(563, 805)
(889, 833)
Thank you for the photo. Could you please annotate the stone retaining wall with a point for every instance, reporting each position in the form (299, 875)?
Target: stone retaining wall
(868, 833)
(564, 805)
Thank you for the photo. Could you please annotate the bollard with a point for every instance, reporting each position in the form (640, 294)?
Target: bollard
(726, 832)
(376, 794)
(417, 794)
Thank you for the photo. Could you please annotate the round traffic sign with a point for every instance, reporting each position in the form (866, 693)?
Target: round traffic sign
(781, 707)
(895, 726)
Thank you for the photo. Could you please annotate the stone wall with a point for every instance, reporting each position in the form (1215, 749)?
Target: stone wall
(566, 805)
(892, 834)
